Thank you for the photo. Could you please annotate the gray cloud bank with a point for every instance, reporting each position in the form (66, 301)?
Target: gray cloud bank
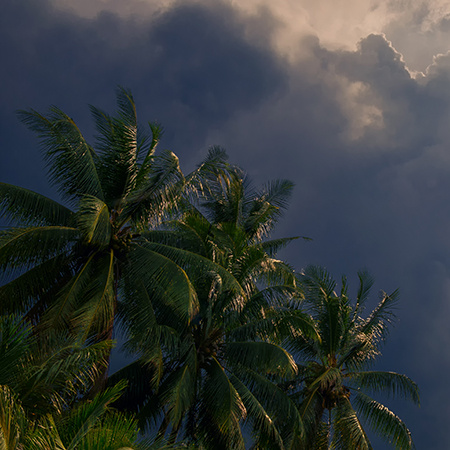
(365, 142)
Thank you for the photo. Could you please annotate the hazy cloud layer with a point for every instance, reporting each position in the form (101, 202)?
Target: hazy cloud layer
(349, 119)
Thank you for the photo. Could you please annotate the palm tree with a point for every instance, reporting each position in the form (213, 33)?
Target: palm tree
(335, 382)
(221, 371)
(64, 266)
(40, 387)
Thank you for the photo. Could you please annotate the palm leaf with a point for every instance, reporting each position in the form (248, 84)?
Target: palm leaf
(157, 195)
(72, 162)
(265, 357)
(26, 207)
(13, 421)
(25, 247)
(117, 141)
(267, 430)
(94, 221)
(84, 418)
(377, 323)
(387, 382)
(224, 402)
(384, 422)
(167, 282)
(178, 390)
(38, 284)
(348, 431)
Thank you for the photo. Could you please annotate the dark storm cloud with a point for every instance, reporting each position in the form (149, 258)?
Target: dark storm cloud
(190, 68)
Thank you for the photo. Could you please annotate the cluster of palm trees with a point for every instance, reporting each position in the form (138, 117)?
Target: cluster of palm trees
(231, 348)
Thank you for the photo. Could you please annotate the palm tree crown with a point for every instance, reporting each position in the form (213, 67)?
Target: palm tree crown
(335, 380)
(220, 371)
(67, 266)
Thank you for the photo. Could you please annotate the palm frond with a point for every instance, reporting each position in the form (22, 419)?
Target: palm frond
(198, 182)
(348, 430)
(318, 284)
(265, 357)
(13, 421)
(15, 342)
(392, 383)
(94, 221)
(268, 434)
(163, 186)
(117, 141)
(273, 246)
(366, 282)
(71, 161)
(38, 284)
(57, 374)
(384, 422)
(277, 325)
(84, 418)
(26, 208)
(178, 390)
(145, 167)
(224, 402)
(276, 401)
(97, 312)
(376, 324)
(25, 247)
(169, 285)
(195, 265)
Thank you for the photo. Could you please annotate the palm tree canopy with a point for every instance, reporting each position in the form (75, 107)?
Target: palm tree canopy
(68, 263)
(335, 379)
(220, 372)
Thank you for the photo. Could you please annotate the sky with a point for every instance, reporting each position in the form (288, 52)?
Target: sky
(350, 99)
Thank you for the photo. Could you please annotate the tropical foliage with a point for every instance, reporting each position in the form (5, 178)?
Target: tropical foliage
(335, 382)
(231, 347)
(219, 371)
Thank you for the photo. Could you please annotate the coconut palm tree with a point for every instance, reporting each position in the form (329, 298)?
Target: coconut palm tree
(42, 390)
(66, 265)
(335, 382)
(220, 372)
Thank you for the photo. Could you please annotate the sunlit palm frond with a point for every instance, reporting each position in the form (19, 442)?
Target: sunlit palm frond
(348, 430)
(149, 203)
(382, 316)
(267, 434)
(390, 383)
(384, 422)
(13, 421)
(149, 149)
(215, 165)
(118, 145)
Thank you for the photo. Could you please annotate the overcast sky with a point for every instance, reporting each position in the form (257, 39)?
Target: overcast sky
(350, 99)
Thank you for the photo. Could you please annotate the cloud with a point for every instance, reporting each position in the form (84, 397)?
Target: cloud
(191, 66)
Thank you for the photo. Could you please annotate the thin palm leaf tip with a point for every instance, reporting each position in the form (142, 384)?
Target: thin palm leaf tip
(69, 265)
(221, 373)
(334, 381)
